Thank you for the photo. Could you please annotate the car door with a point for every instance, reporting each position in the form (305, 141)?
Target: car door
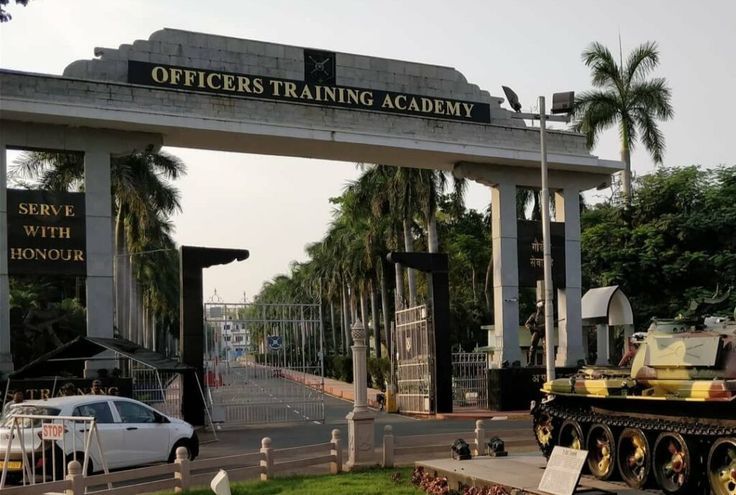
(146, 439)
(111, 436)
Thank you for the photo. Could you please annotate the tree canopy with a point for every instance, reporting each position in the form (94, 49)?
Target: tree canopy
(626, 98)
(676, 244)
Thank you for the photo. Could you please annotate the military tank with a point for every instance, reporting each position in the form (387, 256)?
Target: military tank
(668, 421)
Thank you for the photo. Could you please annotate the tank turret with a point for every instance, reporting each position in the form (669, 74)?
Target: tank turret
(669, 419)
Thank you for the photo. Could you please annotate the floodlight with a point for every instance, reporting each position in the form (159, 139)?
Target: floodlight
(460, 450)
(496, 447)
(563, 102)
(512, 98)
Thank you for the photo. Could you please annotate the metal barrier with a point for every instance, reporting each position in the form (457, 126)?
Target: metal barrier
(161, 390)
(286, 340)
(251, 393)
(470, 379)
(43, 445)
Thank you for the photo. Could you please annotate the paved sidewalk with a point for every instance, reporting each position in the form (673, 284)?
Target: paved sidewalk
(344, 390)
(335, 388)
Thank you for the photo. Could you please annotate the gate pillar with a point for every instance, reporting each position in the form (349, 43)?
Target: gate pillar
(98, 218)
(191, 315)
(505, 271)
(569, 307)
(361, 438)
(436, 264)
(6, 359)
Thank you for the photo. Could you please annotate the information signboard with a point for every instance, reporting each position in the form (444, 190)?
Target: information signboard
(531, 255)
(563, 471)
(46, 233)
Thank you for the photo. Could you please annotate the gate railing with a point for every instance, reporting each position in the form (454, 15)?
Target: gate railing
(470, 379)
(415, 366)
(40, 445)
(266, 383)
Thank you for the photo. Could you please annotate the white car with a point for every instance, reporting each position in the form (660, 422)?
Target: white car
(130, 432)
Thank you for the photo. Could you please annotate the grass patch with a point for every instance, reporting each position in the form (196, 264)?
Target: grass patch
(369, 482)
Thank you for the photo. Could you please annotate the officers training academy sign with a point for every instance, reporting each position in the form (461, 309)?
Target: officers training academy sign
(311, 91)
(46, 233)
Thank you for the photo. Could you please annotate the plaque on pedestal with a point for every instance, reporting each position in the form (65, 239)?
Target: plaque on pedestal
(563, 471)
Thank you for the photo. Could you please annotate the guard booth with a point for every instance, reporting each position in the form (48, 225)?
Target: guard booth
(606, 308)
(125, 368)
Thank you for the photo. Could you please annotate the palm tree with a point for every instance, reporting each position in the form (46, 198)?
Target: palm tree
(625, 97)
(143, 199)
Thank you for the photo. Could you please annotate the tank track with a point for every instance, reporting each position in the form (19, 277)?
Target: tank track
(698, 430)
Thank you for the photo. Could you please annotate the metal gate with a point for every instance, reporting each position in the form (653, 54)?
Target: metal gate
(470, 379)
(415, 366)
(264, 363)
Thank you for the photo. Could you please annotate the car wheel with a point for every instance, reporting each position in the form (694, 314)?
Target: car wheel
(181, 443)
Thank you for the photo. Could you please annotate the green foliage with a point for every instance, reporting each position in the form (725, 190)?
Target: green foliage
(44, 314)
(675, 244)
(626, 98)
(378, 372)
(339, 367)
(368, 482)
(465, 237)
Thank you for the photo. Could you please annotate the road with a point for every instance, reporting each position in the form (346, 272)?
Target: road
(248, 438)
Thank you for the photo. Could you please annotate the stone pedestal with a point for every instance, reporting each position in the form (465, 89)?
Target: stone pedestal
(361, 438)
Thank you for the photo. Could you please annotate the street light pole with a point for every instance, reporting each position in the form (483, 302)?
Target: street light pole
(549, 321)
(562, 103)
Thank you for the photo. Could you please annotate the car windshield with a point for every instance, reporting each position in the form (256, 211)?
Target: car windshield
(27, 409)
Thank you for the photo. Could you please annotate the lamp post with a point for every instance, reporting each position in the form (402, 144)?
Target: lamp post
(549, 311)
(562, 103)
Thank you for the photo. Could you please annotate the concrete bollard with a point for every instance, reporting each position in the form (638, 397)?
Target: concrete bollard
(182, 470)
(74, 475)
(388, 446)
(267, 461)
(480, 438)
(336, 466)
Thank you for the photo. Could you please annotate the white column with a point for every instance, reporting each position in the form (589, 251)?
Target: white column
(361, 439)
(569, 309)
(602, 346)
(505, 271)
(6, 359)
(98, 205)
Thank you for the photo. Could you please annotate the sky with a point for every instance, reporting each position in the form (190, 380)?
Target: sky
(275, 206)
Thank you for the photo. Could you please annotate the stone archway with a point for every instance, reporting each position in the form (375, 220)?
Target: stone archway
(205, 91)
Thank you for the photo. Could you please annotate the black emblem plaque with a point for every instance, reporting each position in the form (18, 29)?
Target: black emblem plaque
(319, 67)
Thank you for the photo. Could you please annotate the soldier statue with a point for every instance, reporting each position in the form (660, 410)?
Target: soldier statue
(535, 324)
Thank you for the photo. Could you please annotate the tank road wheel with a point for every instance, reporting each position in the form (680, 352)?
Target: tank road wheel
(601, 451)
(543, 431)
(722, 467)
(673, 464)
(634, 457)
(571, 435)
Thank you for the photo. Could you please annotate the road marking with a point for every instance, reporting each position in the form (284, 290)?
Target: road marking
(499, 418)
